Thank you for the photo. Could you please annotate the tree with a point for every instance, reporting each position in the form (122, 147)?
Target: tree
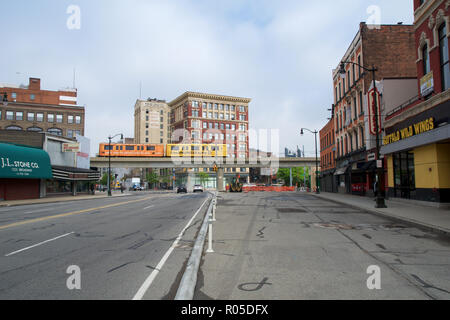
(104, 179)
(298, 176)
(204, 177)
(152, 178)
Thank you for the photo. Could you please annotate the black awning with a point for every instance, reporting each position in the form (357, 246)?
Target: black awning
(367, 167)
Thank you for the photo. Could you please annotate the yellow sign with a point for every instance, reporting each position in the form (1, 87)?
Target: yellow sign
(415, 129)
(427, 84)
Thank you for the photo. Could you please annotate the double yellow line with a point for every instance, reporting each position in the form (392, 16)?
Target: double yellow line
(16, 224)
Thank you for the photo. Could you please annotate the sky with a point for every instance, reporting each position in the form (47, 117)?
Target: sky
(278, 53)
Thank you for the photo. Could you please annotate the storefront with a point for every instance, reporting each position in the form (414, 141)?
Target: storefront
(22, 170)
(418, 156)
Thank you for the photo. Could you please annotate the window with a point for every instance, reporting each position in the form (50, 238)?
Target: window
(216, 106)
(216, 125)
(222, 126)
(221, 107)
(35, 129)
(32, 97)
(227, 107)
(204, 114)
(227, 126)
(361, 106)
(241, 109)
(55, 131)
(221, 116)
(233, 108)
(70, 119)
(14, 95)
(19, 115)
(205, 125)
(59, 118)
(40, 117)
(129, 148)
(233, 127)
(242, 117)
(14, 128)
(443, 49)
(210, 115)
(30, 116)
(78, 119)
(69, 133)
(359, 68)
(50, 117)
(425, 60)
(216, 115)
(227, 116)
(9, 115)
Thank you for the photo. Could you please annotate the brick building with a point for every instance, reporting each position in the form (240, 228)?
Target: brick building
(328, 156)
(29, 108)
(417, 137)
(209, 118)
(391, 49)
(151, 121)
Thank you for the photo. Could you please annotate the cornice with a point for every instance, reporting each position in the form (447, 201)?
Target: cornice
(421, 14)
(208, 96)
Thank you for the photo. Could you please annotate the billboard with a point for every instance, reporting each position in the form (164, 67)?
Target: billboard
(83, 160)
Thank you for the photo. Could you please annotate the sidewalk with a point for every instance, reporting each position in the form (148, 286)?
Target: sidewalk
(98, 195)
(428, 217)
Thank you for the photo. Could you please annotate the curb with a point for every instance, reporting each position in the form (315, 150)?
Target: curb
(186, 290)
(411, 222)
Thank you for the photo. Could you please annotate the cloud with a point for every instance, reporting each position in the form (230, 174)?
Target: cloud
(279, 53)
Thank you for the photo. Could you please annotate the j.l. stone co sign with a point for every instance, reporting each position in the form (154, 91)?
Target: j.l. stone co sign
(412, 130)
(18, 162)
(19, 168)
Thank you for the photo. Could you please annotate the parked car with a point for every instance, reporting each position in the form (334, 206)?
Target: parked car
(182, 189)
(198, 188)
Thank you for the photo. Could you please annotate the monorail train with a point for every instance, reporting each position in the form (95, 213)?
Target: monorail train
(160, 150)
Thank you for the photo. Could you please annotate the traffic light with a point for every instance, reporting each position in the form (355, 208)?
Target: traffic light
(215, 168)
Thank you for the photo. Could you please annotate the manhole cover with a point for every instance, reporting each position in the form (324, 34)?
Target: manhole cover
(291, 210)
(335, 226)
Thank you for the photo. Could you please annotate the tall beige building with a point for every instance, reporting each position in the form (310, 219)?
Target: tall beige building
(152, 121)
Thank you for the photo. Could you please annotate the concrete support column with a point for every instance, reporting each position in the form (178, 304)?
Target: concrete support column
(74, 188)
(290, 177)
(42, 188)
(220, 180)
(312, 170)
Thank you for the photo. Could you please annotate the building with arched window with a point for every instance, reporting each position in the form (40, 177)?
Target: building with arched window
(417, 133)
(391, 49)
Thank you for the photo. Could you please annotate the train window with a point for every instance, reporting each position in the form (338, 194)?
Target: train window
(151, 148)
(108, 147)
(129, 148)
(117, 148)
(213, 148)
(121, 148)
(174, 148)
(196, 148)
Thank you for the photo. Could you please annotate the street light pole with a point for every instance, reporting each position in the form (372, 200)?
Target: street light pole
(109, 162)
(317, 158)
(380, 202)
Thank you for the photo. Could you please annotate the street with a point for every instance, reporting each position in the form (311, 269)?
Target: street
(295, 246)
(116, 243)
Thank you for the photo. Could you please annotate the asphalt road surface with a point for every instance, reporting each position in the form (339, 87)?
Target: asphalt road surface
(109, 247)
(294, 246)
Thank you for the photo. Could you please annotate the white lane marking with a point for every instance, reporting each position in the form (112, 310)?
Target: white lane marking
(36, 211)
(38, 244)
(148, 207)
(148, 282)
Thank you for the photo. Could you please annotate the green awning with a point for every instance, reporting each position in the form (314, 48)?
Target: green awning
(20, 162)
